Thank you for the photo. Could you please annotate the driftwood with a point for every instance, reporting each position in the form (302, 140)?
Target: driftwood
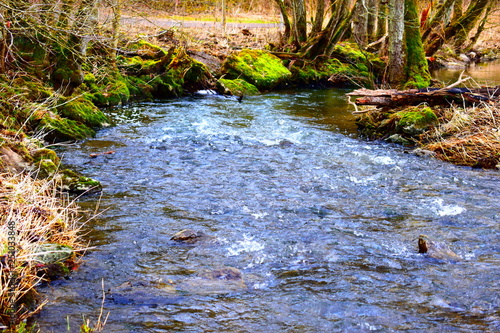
(431, 96)
(94, 155)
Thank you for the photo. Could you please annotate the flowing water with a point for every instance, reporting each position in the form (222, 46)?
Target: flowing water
(322, 225)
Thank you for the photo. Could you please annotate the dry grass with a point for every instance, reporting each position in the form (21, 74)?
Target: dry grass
(31, 213)
(467, 136)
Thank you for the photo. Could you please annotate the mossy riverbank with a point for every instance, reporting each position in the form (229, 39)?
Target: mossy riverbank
(69, 103)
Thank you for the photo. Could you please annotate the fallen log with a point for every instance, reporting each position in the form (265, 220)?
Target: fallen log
(431, 96)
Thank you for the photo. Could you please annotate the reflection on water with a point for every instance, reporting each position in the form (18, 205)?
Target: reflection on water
(321, 225)
(484, 74)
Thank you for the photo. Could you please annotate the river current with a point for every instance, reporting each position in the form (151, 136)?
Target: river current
(322, 225)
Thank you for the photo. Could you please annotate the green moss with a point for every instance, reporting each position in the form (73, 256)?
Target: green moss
(76, 183)
(83, 111)
(183, 73)
(139, 89)
(329, 72)
(110, 90)
(260, 68)
(417, 70)
(415, 120)
(146, 50)
(138, 66)
(62, 129)
(46, 168)
(237, 87)
(45, 154)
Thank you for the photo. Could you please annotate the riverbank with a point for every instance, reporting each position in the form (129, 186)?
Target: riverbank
(68, 105)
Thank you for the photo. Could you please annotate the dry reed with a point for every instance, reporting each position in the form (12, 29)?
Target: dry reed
(32, 212)
(467, 136)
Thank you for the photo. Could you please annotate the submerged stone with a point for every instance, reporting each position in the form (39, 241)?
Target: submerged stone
(51, 253)
(189, 236)
(435, 250)
(73, 182)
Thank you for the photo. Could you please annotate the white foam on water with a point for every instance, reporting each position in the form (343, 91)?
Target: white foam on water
(384, 160)
(446, 210)
(248, 244)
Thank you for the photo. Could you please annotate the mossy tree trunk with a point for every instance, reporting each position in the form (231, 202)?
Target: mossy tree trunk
(459, 27)
(323, 43)
(317, 43)
(417, 69)
(439, 19)
(480, 28)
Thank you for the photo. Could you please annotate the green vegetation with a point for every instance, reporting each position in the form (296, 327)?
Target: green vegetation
(260, 68)
(237, 87)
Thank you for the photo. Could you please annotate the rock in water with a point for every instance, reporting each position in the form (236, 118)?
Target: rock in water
(189, 236)
(435, 250)
(223, 280)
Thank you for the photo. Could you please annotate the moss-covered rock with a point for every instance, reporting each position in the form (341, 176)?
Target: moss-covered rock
(415, 120)
(146, 50)
(139, 89)
(57, 128)
(46, 168)
(237, 87)
(73, 182)
(110, 90)
(329, 72)
(402, 126)
(45, 154)
(260, 68)
(83, 111)
(50, 253)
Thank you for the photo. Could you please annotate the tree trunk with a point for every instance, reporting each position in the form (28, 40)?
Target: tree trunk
(395, 67)
(439, 19)
(117, 10)
(463, 33)
(381, 19)
(372, 19)
(320, 16)
(360, 23)
(299, 22)
(417, 69)
(463, 24)
(480, 28)
(286, 21)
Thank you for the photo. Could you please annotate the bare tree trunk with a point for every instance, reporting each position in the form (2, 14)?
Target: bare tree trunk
(299, 22)
(318, 19)
(360, 23)
(286, 20)
(372, 19)
(395, 68)
(117, 11)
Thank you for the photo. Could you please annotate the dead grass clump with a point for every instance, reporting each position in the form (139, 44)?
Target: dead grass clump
(32, 215)
(467, 136)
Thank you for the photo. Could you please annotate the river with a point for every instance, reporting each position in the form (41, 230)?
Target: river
(322, 225)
